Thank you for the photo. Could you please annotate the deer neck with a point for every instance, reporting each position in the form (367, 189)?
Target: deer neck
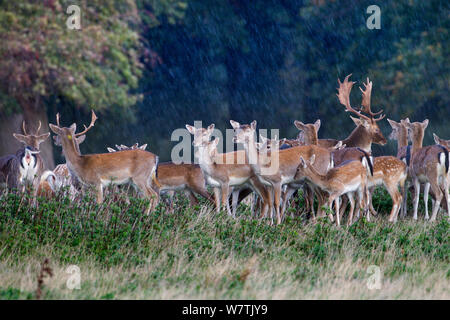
(316, 178)
(360, 138)
(73, 157)
(417, 141)
(252, 154)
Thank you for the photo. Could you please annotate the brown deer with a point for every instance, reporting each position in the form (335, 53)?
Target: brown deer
(177, 177)
(429, 165)
(277, 167)
(100, 170)
(226, 172)
(348, 178)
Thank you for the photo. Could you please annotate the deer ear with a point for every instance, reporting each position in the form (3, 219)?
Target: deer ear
(392, 123)
(317, 125)
(235, 124)
(425, 123)
(143, 147)
(43, 137)
(299, 125)
(211, 127)
(312, 159)
(436, 138)
(191, 129)
(20, 137)
(359, 121)
(302, 162)
(253, 124)
(54, 128)
(73, 127)
(81, 139)
(110, 149)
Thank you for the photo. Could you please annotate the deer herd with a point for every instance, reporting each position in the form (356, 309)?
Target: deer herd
(332, 172)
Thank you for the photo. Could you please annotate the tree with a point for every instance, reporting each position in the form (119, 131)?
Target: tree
(42, 62)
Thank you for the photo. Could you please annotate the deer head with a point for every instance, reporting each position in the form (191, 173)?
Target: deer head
(68, 135)
(442, 142)
(308, 132)
(369, 123)
(416, 130)
(32, 140)
(201, 135)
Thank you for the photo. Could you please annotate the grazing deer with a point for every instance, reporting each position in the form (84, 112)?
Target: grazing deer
(277, 167)
(348, 178)
(226, 172)
(177, 177)
(102, 169)
(367, 130)
(429, 165)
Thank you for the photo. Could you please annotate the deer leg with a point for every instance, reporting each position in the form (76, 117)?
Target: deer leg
(277, 197)
(396, 200)
(426, 190)
(171, 195)
(286, 196)
(352, 208)
(225, 195)
(438, 194)
(217, 199)
(404, 199)
(235, 197)
(99, 189)
(345, 201)
(447, 195)
(416, 196)
(337, 202)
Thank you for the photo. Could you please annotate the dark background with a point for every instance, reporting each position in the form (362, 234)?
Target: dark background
(149, 67)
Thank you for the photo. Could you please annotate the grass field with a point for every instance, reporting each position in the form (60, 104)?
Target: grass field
(196, 253)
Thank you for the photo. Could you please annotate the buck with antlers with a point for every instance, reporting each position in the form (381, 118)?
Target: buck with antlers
(276, 168)
(367, 130)
(429, 165)
(26, 166)
(228, 173)
(387, 170)
(100, 170)
(177, 177)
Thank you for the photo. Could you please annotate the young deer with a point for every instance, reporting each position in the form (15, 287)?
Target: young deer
(103, 169)
(277, 167)
(226, 172)
(348, 178)
(177, 177)
(429, 165)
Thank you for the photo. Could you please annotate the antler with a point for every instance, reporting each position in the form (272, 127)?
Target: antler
(39, 127)
(57, 119)
(23, 128)
(344, 96)
(366, 98)
(86, 129)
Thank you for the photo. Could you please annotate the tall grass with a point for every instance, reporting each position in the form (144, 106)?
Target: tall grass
(197, 253)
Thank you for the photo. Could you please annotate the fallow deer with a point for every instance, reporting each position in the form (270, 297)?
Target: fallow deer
(429, 165)
(276, 168)
(26, 166)
(226, 172)
(100, 170)
(348, 178)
